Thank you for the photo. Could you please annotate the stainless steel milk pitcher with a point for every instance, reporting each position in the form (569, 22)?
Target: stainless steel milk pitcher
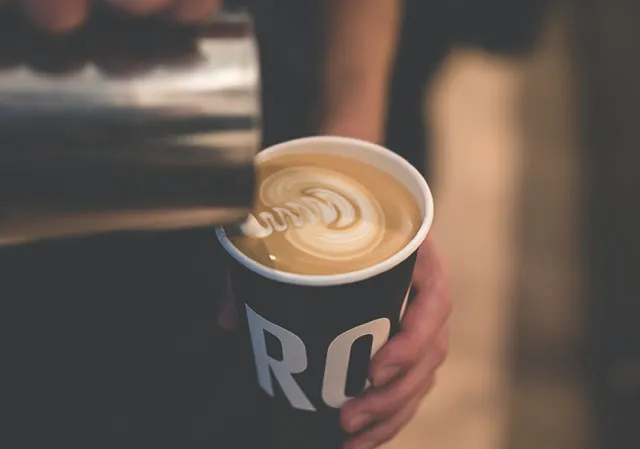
(126, 126)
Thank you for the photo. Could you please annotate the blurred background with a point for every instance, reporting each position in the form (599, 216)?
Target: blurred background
(532, 121)
(532, 118)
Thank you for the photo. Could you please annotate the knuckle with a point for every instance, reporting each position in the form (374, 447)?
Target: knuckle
(351, 407)
(400, 351)
(380, 360)
(390, 401)
(383, 404)
(403, 394)
(410, 349)
(377, 405)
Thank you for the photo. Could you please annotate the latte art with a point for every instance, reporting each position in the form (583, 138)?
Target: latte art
(322, 214)
(316, 205)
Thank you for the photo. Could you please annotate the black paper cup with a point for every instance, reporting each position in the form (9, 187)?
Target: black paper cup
(312, 336)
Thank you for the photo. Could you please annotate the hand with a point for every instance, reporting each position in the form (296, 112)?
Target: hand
(403, 371)
(61, 16)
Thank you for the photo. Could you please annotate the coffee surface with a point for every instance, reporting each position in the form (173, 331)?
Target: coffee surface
(321, 214)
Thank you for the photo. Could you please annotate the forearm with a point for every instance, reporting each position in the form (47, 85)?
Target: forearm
(360, 50)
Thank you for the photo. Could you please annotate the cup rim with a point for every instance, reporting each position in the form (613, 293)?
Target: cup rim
(323, 280)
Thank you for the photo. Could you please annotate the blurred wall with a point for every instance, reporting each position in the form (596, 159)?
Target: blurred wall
(606, 34)
(549, 406)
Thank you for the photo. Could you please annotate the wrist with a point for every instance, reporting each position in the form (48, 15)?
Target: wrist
(359, 113)
(357, 128)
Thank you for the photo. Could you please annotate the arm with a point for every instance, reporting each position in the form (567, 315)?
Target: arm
(360, 47)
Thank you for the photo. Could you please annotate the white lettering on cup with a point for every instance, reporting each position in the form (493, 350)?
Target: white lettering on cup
(294, 360)
(339, 354)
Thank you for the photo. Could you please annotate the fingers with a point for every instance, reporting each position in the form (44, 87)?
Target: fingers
(422, 323)
(62, 16)
(57, 16)
(403, 370)
(381, 403)
(387, 429)
(134, 47)
(193, 10)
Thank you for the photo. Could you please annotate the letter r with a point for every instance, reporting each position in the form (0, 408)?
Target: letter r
(294, 359)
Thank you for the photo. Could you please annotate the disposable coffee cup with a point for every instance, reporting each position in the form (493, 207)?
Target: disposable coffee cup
(312, 336)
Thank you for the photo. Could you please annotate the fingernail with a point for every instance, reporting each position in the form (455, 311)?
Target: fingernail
(385, 376)
(358, 422)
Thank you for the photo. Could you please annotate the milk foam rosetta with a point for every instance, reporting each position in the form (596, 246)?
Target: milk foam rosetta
(320, 214)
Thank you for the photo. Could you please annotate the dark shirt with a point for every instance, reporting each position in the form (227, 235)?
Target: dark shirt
(113, 342)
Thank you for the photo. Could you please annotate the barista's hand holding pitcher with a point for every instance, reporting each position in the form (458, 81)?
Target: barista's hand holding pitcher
(62, 16)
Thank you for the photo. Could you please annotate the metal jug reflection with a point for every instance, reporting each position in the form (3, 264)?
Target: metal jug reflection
(126, 126)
